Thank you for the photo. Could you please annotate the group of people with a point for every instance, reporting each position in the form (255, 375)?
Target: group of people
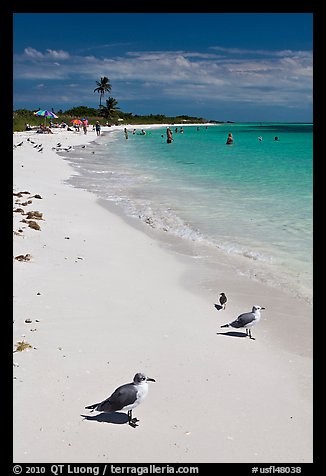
(44, 129)
(229, 140)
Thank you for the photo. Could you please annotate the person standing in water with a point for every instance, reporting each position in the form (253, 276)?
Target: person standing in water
(229, 139)
(168, 135)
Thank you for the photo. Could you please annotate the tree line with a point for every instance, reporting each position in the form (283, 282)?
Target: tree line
(110, 111)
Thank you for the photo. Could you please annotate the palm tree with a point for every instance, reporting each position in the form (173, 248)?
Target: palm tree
(110, 109)
(103, 87)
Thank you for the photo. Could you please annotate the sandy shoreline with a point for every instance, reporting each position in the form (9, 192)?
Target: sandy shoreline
(107, 300)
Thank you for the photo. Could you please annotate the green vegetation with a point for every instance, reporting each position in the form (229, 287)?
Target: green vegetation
(22, 345)
(109, 114)
(103, 86)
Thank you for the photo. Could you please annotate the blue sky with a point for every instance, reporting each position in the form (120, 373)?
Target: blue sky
(220, 66)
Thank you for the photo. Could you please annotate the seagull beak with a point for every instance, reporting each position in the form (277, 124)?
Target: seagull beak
(150, 379)
(262, 308)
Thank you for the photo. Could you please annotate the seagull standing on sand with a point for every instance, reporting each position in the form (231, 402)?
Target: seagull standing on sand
(125, 397)
(247, 320)
(223, 300)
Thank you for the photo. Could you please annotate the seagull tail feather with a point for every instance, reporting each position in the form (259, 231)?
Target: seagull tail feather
(92, 407)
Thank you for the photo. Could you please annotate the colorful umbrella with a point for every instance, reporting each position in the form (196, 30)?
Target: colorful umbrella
(44, 113)
(76, 121)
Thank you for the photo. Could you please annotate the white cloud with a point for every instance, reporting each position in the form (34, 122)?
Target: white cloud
(235, 74)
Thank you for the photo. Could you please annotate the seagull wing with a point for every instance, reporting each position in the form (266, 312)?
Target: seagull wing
(243, 320)
(120, 398)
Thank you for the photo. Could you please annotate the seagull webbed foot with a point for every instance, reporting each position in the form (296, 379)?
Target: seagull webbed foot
(133, 423)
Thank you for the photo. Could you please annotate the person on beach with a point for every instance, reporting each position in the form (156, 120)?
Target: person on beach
(85, 124)
(126, 133)
(98, 128)
(168, 135)
(229, 139)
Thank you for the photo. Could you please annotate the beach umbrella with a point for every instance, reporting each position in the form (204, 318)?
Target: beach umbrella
(44, 113)
(76, 121)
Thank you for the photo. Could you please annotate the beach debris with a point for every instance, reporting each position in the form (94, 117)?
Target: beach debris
(34, 225)
(35, 214)
(22, 345)
(19, 210)
(36, 196)
(26, 257)
(19, 194)
(28, 321)
(24, 204)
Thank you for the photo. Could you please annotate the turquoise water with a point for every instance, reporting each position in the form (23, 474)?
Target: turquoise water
(251, 199)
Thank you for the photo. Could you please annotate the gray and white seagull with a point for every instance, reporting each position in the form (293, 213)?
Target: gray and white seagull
(126, 397)
(247, 320)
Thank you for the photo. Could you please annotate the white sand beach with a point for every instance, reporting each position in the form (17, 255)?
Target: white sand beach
(104, 300)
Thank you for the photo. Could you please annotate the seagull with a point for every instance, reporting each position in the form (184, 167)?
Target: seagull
(247, 320)
(125, 397)
(223, 300)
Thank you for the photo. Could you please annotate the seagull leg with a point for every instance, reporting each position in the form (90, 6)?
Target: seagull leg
(132, 421)
(251, 335)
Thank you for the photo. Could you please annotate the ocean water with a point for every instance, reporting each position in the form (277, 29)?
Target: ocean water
(251, 199)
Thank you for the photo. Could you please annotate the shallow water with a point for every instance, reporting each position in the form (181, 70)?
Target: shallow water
(252, 199)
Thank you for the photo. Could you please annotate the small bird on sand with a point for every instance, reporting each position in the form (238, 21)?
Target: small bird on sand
(223, 300)
(126, 397)
(247, 320)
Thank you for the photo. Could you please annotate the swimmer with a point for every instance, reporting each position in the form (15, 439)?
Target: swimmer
(260, 138)
(229, 139)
